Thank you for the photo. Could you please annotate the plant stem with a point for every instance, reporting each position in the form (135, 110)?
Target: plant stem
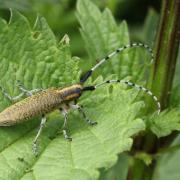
(166, 50)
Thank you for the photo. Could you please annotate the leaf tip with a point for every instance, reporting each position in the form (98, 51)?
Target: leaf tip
(65, 40)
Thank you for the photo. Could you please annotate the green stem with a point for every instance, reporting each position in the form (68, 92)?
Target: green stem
(166, 50)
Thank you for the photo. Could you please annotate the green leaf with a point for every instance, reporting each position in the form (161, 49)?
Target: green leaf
(168, 164)
(33, 56)
(150, 26)
(102, 35)
(165, 123)
(37, 64)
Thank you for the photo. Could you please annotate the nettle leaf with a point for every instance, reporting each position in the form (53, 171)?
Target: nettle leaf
(165, 123)
(149, 27)
(102, 35)
(33, 56)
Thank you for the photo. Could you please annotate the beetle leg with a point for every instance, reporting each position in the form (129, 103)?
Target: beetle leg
(35, 148)
(12, 99)
(81, 110)
(25, 91)
(64, 113)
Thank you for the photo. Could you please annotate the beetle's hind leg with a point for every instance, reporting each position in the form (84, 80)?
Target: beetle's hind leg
(35, 148)
(81, 110)
(26, 91)
(65, 113)
(10, 98)
(23, 90)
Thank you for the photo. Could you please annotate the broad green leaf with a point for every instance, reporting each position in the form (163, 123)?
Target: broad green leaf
(150, 26)
(165, 123)
(33, 56)
(102, 35)
(168, 164)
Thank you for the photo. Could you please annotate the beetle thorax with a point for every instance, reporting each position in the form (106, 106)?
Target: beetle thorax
(71, 93)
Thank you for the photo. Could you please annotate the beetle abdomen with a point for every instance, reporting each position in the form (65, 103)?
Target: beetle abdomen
(41, 103)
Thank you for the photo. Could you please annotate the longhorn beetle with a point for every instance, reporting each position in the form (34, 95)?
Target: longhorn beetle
(45, 101)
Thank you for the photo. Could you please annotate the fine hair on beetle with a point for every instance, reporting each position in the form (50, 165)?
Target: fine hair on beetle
(41, 102)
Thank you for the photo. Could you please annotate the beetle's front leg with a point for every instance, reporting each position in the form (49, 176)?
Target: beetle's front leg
(81, 110)
(35, 148)
(65, 114)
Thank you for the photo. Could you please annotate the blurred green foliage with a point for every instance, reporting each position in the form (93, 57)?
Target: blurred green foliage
(60, 15)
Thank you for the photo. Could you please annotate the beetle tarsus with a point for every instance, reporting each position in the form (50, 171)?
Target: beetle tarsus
(66, 136)
(35, 148)
(92, 123)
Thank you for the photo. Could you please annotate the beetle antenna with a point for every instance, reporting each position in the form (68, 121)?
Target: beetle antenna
(85, 76)
(128, 83)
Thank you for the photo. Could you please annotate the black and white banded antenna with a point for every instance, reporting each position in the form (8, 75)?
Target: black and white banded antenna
(128, 83)
(85, 76)
(138, 87)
